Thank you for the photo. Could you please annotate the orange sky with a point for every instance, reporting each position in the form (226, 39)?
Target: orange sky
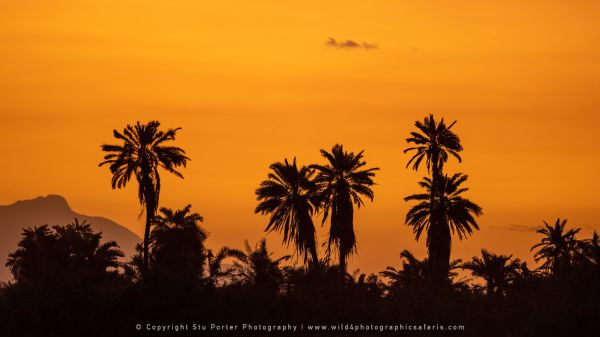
(252, 82)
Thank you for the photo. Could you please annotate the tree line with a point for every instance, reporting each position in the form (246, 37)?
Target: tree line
(174, 275)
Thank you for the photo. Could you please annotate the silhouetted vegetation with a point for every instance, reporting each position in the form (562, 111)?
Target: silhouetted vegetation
(67, 282)
(142, 152)
(445, 210)
(70, 255)
(177, 252)
(558, 248)
(498, 271)
(290, 197)
(342, 183)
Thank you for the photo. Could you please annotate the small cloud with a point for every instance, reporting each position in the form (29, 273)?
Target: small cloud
(331, 42)
(370, 45)
(349, 44)
(518, 228)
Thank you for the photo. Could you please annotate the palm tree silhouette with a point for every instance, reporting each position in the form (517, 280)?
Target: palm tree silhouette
(414, 273)
(591, 250)
(434, 142)
(85, 245)
(452, 213)
(288, 195)
(257, 267)
(557, 247)
(183, 219)
(25, 263)
(498, 271)
(215, 264)
(177, 245)
(342, 183)
(369, 286)
(317, 280)
(142, 152)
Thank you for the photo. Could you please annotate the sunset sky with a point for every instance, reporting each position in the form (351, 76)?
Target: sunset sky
(253, 82)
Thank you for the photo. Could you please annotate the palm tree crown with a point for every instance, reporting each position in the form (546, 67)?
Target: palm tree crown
(557, 247)
(177, 246)
(143, 150)
(414, 273)
(440, 212)
(591, 250)
(257, 267)
(342, 183)
(215, 265)
(288, 195)
(434, 143)
(458, 212)
(182, 219)
(497, 270)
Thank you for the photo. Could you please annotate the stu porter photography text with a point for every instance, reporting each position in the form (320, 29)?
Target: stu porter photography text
(252, 327)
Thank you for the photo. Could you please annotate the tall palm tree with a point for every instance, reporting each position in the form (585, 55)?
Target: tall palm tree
(498, 271)
(142, 151)
(342, 183)
(177, 244)
(557, 247)
(288, 195)
(434, 142)
(452, 213)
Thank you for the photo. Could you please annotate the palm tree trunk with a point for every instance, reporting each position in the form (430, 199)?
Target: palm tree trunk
(312, 245)
(440, 244)
(445, 246)
(556, 265)
(439, 254)
(313, 254)
(342, 262)
(149, 216)
(490, 288)
(435, 241)
(149, 195)
(347, 236)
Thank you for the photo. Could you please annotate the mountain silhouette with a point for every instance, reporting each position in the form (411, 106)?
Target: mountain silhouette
(52, 210)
